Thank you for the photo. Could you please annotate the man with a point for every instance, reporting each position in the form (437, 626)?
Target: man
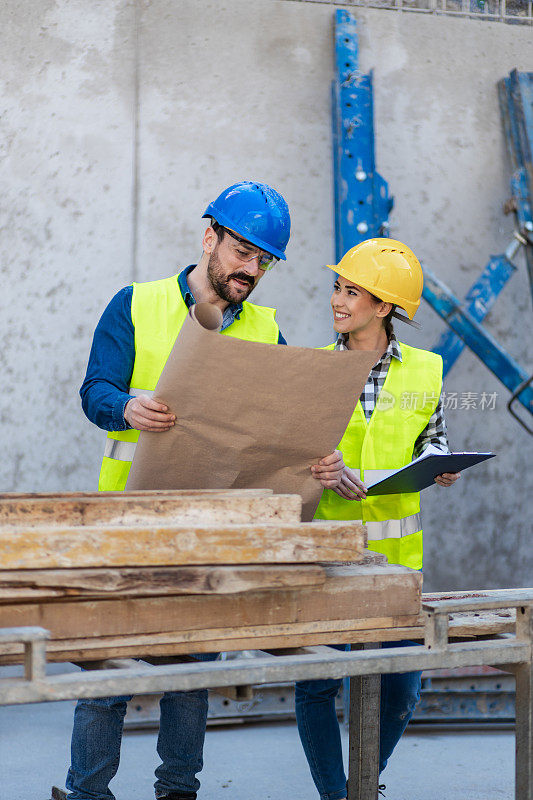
(248, 233)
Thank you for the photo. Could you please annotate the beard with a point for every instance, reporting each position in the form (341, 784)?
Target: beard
(220, 281)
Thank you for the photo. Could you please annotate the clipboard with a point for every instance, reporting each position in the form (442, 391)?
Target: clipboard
(421, 472)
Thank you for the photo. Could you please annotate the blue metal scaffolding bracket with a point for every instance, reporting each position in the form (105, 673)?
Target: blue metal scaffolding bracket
(516, 106)
(461, 321)
(362, 201)
(363, 204)
(478, 301)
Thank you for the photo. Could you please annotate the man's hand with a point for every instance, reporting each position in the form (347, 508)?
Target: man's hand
(145, 414)
(350, 487)
(447, 478)
(329, 470)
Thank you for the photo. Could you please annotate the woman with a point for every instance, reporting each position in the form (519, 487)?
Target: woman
(398, 415)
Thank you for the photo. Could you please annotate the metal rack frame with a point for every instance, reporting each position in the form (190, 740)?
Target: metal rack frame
(488, 10)
(511, 652)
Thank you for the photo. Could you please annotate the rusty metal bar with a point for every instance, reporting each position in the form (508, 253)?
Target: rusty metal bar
(524, 709)
(363, 770)
(523, 735)
(523, 623)
(436, 630)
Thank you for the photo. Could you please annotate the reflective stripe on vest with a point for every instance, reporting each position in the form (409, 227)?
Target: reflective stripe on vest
(120, 451)
(383, 444)
(124, 451)
(394, 528)
(374, 475)
(388, 528)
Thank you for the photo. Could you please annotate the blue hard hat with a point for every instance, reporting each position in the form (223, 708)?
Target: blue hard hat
(256, 212)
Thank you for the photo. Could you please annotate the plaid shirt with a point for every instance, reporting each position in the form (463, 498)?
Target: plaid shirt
(435, 431)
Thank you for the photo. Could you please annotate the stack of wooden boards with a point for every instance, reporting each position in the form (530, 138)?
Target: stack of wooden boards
(165, 573)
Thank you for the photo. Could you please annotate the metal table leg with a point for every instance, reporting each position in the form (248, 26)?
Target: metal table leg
(524, 711)
(524, 738)
(363, 771)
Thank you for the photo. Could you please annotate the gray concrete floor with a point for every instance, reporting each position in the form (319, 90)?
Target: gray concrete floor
(253, 762)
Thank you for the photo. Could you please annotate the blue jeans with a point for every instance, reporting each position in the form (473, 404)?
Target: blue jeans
(97, 734)
(319, 728)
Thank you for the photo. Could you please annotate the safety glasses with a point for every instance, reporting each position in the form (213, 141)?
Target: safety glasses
(266, 260)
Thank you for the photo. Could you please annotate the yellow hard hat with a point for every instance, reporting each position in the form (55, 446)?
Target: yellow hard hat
(387, 269)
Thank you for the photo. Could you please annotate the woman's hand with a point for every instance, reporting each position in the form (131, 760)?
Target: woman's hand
(329, 470)
(350, 487)
(447, 478)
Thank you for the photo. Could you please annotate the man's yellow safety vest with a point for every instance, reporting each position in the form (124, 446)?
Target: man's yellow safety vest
(158, 312)
(406, 402)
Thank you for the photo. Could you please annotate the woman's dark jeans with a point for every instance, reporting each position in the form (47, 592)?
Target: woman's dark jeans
(319, 728)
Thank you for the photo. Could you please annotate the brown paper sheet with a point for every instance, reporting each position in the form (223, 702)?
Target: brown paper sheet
(248, 415)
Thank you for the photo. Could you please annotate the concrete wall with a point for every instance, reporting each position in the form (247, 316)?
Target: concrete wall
(121, 121)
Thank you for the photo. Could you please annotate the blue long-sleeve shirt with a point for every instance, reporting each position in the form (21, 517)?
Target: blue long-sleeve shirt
(104, 392)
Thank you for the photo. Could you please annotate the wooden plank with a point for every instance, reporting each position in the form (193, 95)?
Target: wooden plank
(470, 624)
(234, 507)
(136, 493)
(482, 601)
(262, 637)
(123, 647)
(48, 547)
(373, 558)
(47, 584)
(468, 594)
(482, 623)
(195, 637)
(347, 593)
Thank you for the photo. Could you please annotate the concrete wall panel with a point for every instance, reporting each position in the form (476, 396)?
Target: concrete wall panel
(229, 93)
(66, 224)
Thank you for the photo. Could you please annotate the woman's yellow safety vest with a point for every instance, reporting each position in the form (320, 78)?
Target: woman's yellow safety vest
(158, 311)
(406, 402)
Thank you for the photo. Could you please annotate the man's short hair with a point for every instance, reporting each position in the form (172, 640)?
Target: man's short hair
(219, 229)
